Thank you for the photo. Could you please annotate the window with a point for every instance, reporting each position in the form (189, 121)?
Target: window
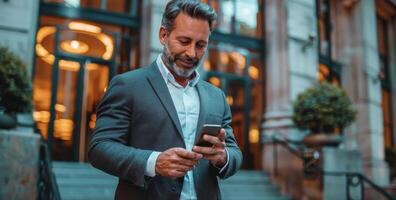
(328, 69)
(239, 73)
(240, 17)
(120, 6)
(383, 51)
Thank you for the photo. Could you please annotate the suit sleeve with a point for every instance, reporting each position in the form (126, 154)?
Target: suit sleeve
(108, 149)
(234, 153)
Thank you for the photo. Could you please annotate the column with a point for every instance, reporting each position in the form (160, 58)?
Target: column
(151, 22)
(357, 50)
(291, 67)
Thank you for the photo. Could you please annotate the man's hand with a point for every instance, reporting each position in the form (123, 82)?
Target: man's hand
(176, 162)
(216, 154)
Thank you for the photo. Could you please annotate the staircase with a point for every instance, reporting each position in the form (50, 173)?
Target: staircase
(80, 181)
(249, 185)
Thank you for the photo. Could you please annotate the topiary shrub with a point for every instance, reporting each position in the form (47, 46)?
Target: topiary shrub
(15, 84)
(324, 108)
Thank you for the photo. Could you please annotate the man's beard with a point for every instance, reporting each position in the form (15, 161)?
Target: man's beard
(170, 62)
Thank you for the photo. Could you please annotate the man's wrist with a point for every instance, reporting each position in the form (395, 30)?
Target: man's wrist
(150, 165)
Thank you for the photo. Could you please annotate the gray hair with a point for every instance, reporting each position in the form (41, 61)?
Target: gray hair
(193, 8)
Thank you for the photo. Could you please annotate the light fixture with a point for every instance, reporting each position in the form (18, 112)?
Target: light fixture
(254, 135)
(224, 58)
(81, 26)
(215, 81)
(239, 58)
(74, 46)
(60, 108)
(254, 72)
(63, 129)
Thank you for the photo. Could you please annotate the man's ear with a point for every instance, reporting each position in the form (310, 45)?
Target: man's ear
(163, 34)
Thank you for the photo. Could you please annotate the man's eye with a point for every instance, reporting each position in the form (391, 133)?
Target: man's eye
(201, 46)
(184, 42)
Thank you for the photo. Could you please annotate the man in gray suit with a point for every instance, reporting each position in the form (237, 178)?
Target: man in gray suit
(149, 119)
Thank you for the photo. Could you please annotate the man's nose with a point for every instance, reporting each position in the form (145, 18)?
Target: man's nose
(191, 51)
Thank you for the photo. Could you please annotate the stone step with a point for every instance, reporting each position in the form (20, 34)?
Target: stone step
(80, 181)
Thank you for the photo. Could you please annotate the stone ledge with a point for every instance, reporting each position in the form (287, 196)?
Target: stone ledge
(19, 164)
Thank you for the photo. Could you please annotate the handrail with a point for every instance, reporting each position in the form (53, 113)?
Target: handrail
(48, 188)
(350, 176)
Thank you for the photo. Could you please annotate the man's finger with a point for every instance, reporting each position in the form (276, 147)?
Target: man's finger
(204, 150)
(176, 173)
(187, 162)
(188, 154)
(221, 135)
(211, 139)
(182, 168)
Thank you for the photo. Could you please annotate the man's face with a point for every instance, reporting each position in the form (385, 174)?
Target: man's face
(185, 45)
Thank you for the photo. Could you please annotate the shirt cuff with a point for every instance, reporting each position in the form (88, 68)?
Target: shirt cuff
(150, 165)
(225, 165)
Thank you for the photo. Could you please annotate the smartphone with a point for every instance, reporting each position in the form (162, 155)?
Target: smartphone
(210, 129)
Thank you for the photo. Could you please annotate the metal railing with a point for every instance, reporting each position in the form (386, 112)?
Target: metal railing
(47, 186)
(310, 159)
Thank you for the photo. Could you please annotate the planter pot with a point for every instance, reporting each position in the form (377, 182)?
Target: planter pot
(7, 121)
(321, 139)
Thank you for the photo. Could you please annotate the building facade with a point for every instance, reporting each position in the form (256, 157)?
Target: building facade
(262, 54)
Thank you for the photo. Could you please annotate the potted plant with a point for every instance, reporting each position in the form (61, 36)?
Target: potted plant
(15, 88)
(324, 110)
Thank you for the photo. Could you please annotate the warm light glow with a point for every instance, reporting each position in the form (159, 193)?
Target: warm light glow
(215, 81)
(74, 46)
(72, 66)
(93, 117)
(63, 129)
(239, 58)
(67, 65)
(254, 136)
(60, 108)
(49, 58)
(108, 42)
(230, 100)
(254, 72)
(92, 124)
(224, 58)
(44, 32)
(323, 72)
(41, 116)
(80, 26)
(324, 69)
(206, 65)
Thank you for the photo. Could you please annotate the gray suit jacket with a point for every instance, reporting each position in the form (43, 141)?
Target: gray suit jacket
(135, 117)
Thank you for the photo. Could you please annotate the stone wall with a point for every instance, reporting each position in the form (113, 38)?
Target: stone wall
(19, 164)
(18, 28)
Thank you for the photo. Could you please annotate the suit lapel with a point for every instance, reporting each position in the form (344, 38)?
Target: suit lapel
(204, 100)
(161, 90)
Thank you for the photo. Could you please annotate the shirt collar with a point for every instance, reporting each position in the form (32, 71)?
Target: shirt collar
(168, 76)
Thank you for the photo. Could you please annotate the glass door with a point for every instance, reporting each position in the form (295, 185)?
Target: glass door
(83, 62)
(237, 73)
